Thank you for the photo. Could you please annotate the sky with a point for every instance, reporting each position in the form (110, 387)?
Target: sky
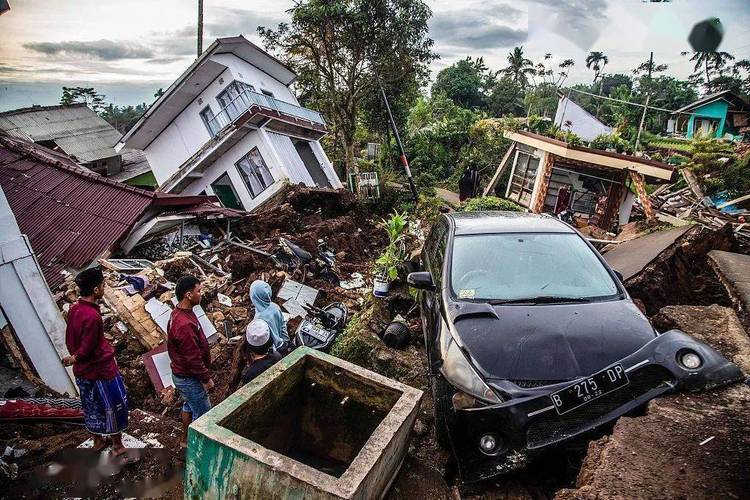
(129, 49)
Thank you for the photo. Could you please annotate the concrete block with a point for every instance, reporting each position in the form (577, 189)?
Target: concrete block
(313, 426)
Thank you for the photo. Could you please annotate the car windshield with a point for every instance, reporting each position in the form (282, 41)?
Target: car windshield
(508, 267)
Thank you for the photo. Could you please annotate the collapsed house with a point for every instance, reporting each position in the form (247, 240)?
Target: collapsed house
(230, 126)
(84, 136)
(59, 218)
(551, 176)
(715, 115)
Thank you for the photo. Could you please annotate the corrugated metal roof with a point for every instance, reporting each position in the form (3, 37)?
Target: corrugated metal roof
(70, 215)
(76, 129)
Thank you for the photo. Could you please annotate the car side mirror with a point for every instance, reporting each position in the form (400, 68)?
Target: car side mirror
(421, 280)
(619, 276)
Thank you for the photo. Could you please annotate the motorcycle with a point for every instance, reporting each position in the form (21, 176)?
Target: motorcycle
(321, 327)
(291, 257)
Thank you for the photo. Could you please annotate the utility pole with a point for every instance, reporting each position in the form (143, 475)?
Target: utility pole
(404, 160)
(645, 107)
(200, 27)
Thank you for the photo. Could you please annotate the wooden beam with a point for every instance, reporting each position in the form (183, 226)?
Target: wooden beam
(692, 181)
(499, 171)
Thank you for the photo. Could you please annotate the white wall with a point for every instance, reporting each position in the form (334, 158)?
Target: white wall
(226, 163)
(583, 124)
(246, 72)
(29, 307)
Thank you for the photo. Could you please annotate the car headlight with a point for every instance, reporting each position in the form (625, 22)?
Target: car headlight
(459, 372)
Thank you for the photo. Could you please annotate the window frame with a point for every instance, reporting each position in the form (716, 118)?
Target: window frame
(206, 121)
(259, 178)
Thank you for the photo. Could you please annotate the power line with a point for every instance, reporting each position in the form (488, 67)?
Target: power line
(631, 103)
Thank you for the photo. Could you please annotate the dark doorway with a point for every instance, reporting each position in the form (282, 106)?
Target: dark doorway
(311, 163)
(224, 190)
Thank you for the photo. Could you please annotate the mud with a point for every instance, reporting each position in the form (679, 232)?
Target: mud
(681, 274)
(660, 455)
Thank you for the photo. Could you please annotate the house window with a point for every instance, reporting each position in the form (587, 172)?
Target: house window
(232, 99)
(267, 92)
(224, 190)
(255, 172)
(209, 120)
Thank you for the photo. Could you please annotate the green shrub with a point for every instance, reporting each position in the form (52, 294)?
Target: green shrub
(488, 203)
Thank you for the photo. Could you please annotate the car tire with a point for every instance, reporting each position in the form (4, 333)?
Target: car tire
(442, 394)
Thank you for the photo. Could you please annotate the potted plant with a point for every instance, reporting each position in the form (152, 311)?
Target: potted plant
(387, 264)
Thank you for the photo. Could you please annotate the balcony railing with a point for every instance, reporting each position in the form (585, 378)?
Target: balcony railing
(248, 98)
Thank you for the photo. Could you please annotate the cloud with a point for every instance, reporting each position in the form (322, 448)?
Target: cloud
(165, 60)
(106, 50)
(580, 21)
(478, 29)
(232, 22)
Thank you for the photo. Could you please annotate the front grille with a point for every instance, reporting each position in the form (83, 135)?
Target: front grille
(551, 427)
(530, 384)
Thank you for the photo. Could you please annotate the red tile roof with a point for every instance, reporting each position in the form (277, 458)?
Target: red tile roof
(71, 215)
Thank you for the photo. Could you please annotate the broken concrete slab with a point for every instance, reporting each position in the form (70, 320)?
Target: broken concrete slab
(680, 274)
(733, 270)
(630, 257)
(717, 326)
(312, 426)
(660, 455)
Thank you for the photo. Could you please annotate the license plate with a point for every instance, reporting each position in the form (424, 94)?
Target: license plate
(582, 392)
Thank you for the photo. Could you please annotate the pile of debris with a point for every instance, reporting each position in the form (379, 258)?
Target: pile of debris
(684, 202)
(313, 246)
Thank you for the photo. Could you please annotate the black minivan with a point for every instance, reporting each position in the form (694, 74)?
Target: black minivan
(532, 340)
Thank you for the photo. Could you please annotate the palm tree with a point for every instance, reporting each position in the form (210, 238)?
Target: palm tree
(596, 61)
(519, 67)
(710, 61)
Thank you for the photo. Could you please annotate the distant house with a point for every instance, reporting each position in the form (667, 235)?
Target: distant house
(231, 126)
(551, 176)
(714, 115)
(571, 116)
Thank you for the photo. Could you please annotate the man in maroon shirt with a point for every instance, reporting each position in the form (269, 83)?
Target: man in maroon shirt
(103, 395)
(189, 353)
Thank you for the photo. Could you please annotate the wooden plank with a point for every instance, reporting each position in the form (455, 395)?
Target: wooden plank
(500, 169)
(692, 181)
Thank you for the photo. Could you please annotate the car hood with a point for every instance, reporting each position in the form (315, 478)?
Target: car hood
(551, 342)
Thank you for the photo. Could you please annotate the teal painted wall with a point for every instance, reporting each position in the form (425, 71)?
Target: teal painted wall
(717, 109)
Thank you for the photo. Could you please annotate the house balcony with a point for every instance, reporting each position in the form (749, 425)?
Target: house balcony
(248, 111)
(263, 110)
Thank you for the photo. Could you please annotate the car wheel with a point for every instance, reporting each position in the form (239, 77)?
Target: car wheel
(442, 394)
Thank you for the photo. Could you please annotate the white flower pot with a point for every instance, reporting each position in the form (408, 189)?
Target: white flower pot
(380, 287)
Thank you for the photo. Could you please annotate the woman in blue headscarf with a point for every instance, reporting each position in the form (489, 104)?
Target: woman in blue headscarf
(260, 295)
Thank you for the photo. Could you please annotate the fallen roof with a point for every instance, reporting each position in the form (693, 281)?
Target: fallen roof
(76, 129)
(727, 95)
(134, 163)
(194, 80)
(70, 214)
(650, 168)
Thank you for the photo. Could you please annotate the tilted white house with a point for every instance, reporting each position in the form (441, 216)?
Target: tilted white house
(231, 126)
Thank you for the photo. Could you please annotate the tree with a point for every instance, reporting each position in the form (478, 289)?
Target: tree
(709, 64)
(611, 82)
(86, 95)
(340, 48)
(122, 117)
(596, 61)
(505, 98)
(159, 93)
(464, 82)
(519, 67)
